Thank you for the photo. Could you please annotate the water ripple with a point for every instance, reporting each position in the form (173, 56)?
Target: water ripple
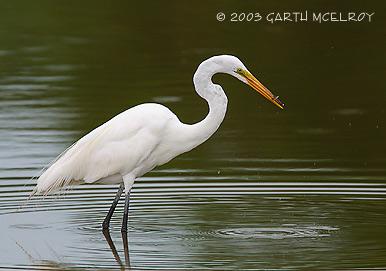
(281, 232)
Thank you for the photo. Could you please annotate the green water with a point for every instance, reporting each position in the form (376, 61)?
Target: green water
(300, 188)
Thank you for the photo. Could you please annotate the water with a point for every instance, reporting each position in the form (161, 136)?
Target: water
(302, 188)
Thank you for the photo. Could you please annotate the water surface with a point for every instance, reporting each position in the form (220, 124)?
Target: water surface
(302, 188)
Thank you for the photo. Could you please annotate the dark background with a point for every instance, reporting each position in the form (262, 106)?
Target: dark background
(247, 197)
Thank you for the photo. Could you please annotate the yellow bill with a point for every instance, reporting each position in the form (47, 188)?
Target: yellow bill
(259, 87)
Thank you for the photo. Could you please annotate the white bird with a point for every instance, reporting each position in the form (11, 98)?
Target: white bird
(144, 137)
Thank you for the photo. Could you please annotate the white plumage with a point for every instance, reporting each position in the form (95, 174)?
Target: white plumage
(145, 136)
(124, 145)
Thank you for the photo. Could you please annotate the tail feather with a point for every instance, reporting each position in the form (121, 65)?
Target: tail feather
(72, 165)
(56, 177)
(58, 174)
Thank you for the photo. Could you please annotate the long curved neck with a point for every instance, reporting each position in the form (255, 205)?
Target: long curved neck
(217, 102)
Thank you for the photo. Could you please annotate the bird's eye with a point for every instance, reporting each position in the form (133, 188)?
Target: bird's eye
(239, 70)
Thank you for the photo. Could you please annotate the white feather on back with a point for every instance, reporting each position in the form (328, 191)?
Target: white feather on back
(116, 147)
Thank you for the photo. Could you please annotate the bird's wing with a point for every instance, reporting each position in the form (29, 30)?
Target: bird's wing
(114, 147)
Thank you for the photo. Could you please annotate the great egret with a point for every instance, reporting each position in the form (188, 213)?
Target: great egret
(143, 137)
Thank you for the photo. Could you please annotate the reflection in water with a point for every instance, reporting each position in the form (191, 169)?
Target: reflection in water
(175, 226)
(106, 233)
(60, 265)
(299, 189)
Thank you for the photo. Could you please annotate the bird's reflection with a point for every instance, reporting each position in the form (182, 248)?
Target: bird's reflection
(107, 236)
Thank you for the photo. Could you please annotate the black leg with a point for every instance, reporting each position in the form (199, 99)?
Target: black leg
(126, 213)
(106, 222)
(126, 248)
(106, 233)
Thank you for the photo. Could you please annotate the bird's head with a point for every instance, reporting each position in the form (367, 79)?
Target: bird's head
(233, 66)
